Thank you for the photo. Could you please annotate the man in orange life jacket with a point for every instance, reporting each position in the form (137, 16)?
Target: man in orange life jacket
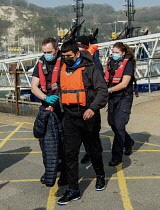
(44, 85)
(83, 94)
(119, 76)
(83, 44)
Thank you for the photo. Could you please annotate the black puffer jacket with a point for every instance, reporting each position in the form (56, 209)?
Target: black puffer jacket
(48, 126)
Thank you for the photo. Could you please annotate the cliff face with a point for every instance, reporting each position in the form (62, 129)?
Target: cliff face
(13, 21)
(26, 26)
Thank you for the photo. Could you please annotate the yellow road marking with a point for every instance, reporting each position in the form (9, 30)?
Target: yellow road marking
(104, 135)
(148, 143)
(52, 197)
(13, 124)
(129, 177)
(17, 132)
(145, 150)
(111, 140)
(19, 153)
(89, 179)
(6, 132)
(21, 180)
(101, 135)
(120, 174)
(110, 137)
(15, 139)
(143, 177)
(142, 150)
(11, 134)
(25, 131)
(28, 123)
(122, 184)
(6, 125)
(123, 188)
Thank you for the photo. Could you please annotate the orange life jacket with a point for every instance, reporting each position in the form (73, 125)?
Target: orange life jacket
(72, 87)
(119, 72)
(91, 49)
(54, 75)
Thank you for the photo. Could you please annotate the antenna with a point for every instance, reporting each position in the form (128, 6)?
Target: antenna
(129, 4)
(78, 9)
(124, 2)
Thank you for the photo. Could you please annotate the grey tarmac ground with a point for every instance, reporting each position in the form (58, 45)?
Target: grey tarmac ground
(135, 184)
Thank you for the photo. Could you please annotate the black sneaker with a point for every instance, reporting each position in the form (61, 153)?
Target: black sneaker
(114, 162)
(129, 150)
(42, 179)
(62, 180)
(69, 196)
(85, 159)
(100, 183)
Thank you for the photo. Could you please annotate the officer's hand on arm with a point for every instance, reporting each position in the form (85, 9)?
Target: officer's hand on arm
(88, 114)
(51, 99)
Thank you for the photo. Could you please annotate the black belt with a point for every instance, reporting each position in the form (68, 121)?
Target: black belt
(75, 91)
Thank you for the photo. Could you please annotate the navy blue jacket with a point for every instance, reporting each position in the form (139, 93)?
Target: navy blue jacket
(48, 126)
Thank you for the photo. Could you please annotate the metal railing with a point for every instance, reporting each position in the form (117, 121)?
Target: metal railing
(15, 97)
(148, 72)
(15, 78)
(22, 63)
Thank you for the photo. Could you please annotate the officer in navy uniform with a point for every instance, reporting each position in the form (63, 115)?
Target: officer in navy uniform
(44, 85)
(119, 75)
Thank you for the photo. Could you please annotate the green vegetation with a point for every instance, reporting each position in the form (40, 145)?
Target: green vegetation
(22, 3)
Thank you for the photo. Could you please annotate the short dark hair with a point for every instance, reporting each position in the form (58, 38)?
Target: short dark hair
(83, 39)
(50, 40)
(69, 45)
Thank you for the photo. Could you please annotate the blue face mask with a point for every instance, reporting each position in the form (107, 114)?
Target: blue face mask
(116, 56)
(49, 57)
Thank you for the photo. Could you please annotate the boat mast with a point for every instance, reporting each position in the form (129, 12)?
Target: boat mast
(129, 4)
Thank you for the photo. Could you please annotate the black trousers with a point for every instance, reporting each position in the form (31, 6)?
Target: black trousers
(75, 130)
(119, 110)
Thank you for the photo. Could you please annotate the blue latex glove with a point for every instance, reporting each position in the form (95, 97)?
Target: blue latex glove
(51, 99)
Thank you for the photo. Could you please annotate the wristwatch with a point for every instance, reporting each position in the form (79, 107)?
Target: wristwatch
(45, 98)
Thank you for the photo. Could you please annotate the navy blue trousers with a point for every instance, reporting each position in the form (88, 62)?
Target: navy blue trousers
(119, 110)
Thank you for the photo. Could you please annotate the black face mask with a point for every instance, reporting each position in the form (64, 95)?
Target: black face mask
(69, 61)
